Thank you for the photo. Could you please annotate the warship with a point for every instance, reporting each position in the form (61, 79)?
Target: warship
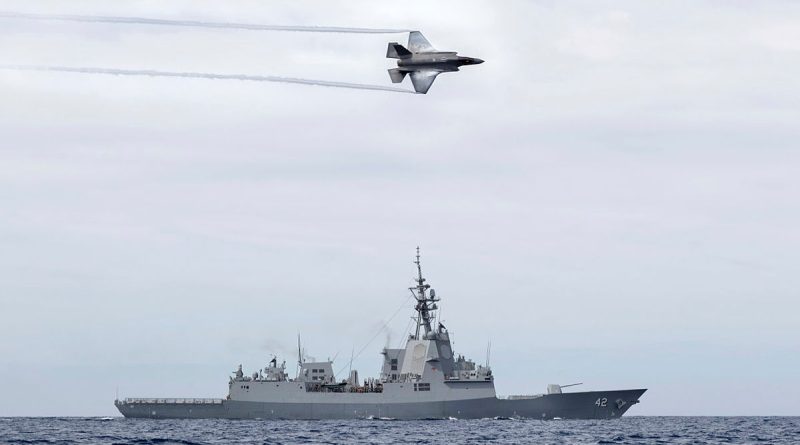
(424, 380)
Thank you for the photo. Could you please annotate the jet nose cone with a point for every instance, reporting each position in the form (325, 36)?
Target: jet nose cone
(477, 61)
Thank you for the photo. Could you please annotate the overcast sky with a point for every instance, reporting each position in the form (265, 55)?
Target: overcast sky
(612, 198)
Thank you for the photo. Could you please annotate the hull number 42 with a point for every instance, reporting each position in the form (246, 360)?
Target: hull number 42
(601, 402)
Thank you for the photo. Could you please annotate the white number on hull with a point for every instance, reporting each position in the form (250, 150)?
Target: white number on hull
(601, 402)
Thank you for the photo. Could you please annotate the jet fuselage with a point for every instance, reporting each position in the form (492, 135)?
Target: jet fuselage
(440, 61)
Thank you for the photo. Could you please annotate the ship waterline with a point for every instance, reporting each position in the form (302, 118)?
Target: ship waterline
(424, 380)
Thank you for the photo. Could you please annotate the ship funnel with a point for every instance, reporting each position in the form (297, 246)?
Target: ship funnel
(353, 380)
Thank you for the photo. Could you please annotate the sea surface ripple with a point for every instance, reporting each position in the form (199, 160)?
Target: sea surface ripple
(628, 430)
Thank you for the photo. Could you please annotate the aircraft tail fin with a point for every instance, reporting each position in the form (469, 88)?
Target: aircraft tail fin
(397, 75)
(397, 51)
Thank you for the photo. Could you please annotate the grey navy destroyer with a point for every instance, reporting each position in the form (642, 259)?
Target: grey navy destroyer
(424, 380)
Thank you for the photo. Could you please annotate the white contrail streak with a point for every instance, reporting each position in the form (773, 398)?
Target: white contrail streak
(244, 77)
(193, 23)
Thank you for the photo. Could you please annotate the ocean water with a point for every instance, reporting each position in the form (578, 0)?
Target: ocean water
(628, 430)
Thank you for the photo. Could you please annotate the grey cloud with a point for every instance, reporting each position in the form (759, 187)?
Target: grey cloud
(627, 203)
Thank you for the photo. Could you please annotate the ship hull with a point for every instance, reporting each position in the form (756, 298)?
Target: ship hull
(576, 405)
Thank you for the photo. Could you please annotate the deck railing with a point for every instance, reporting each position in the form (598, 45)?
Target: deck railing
(521, 396)
(193, 401)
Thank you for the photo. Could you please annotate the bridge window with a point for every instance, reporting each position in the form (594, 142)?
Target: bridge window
(422, 386)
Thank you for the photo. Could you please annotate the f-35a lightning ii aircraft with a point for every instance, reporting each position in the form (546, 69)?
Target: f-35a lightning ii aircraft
(423, 61)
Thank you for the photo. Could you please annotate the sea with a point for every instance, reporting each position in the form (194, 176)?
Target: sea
(627, 430)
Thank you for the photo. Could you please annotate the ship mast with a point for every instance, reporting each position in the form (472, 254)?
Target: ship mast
(425, 304)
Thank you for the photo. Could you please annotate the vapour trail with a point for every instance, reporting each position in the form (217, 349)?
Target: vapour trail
(243, 77)
(193, 23)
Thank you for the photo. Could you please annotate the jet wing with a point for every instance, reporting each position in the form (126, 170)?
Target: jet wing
(423, 80)
(417, 43)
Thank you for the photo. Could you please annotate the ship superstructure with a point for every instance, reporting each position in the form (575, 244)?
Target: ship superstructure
(425, 379)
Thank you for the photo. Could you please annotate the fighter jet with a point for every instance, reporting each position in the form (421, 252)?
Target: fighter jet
(423, 61)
